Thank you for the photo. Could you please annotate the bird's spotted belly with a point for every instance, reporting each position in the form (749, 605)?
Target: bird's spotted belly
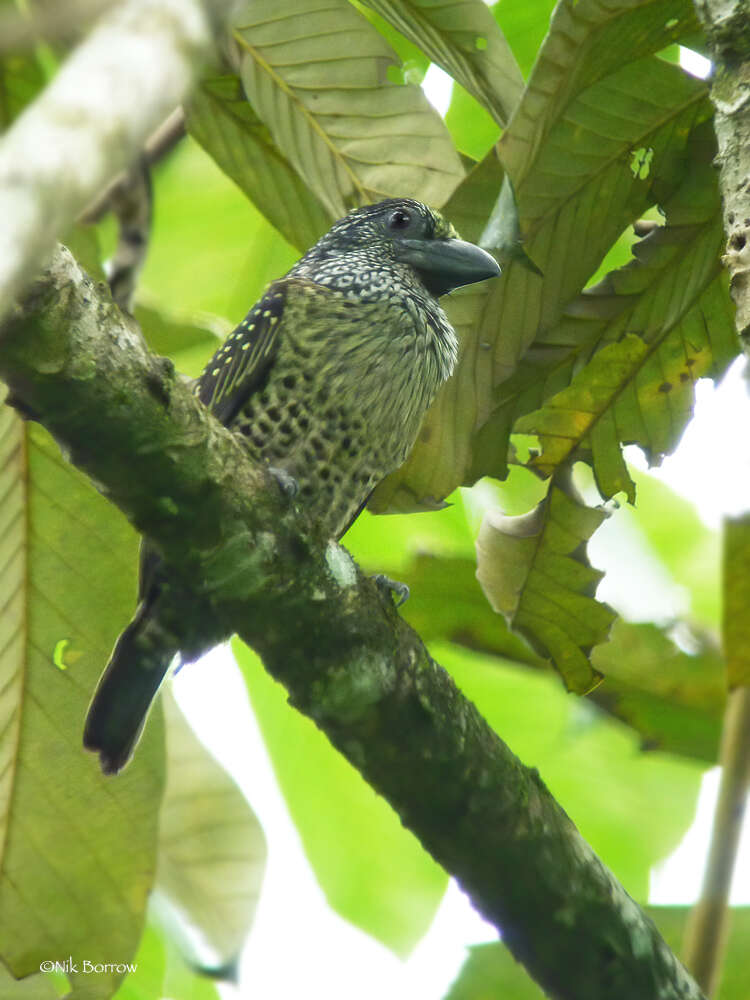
(294, 425)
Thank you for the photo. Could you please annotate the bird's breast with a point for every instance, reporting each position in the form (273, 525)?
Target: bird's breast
(343, 406)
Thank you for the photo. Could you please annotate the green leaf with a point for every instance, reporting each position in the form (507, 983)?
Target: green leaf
(532, 570)
(38, 986)
(735, 587)
(77, 850)
(580, 191)
(674, 295)
(373, 871)
(571, 165)
(673, 698)
(491, 971)
(318, 77)
(145, 982)
(524, 23)
(221, 120)
(212, 851)
(472, 129)
(463, 38)
(586, 411)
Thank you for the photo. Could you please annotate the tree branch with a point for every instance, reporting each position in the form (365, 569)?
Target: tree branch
(728, 34)
(327, 633)
(91, 122)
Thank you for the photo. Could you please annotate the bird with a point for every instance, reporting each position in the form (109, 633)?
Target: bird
(326, 381)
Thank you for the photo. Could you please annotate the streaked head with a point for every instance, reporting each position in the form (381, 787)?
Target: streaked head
(406, 232)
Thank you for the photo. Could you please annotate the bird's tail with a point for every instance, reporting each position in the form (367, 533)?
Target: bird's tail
(117, 713)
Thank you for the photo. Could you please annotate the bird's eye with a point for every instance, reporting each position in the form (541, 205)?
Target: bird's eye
(400, 219)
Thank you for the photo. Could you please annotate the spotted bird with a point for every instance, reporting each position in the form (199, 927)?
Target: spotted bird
(327, 380)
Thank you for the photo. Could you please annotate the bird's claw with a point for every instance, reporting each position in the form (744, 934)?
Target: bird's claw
(394, 587)
(287, 483)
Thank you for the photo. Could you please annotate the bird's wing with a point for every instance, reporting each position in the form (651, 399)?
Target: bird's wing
(241, 365)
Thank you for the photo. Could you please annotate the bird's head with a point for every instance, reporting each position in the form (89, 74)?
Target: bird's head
(407, 234)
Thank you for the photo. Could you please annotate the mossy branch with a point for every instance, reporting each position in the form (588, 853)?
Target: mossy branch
(75, 363)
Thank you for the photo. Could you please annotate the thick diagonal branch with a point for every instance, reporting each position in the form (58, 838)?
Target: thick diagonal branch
(326, 632)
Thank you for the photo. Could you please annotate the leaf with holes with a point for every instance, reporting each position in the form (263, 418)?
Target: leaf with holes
(77, 850)
(533, 570)
(317, 74)
(223, 122)
(634, 389)
(464, 39)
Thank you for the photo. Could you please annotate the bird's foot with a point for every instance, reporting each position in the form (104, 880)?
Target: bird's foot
(394, 587)
(287, 483)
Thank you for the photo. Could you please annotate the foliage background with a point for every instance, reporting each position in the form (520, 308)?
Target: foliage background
(626, 762)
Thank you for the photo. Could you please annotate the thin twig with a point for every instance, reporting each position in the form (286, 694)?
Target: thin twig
(706, 932)
(156, 147)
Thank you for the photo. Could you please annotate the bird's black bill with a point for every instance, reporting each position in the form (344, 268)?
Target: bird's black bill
(444, 265)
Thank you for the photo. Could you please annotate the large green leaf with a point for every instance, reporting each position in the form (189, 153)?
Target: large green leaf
(491, 971)
(587, 42)
(524, 23)
(223, 122)
(532, 571)
(317, 74)
(463, 38)
(77, 850)
(576, 194)
(636, 388)
(673, 699)
(212, 851)
(373, 871)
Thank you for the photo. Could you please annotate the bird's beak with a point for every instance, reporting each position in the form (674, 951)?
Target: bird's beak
(444, 265)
